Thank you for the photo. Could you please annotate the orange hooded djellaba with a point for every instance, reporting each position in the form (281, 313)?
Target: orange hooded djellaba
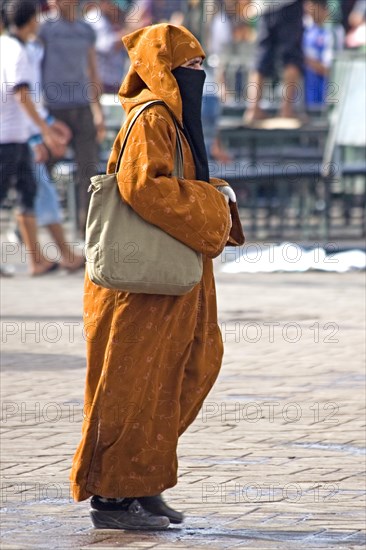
(152, 359)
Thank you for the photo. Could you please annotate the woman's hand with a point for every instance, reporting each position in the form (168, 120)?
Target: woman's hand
(228, 193)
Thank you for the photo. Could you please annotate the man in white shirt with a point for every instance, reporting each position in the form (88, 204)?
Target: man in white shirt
(17, 109)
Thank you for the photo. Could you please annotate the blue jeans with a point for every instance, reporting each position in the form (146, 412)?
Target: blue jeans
(47, 208)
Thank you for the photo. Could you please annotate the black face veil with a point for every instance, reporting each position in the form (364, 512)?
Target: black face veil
(190, 82)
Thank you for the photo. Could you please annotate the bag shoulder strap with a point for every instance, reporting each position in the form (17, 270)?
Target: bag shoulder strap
(178, 160)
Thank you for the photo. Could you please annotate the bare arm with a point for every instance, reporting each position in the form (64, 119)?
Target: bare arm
(95, 101)
(25, 101)
(93, 73)
(23, 97)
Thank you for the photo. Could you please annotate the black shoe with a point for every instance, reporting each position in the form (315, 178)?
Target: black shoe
(131, 517)
(156, 505)
(110, 504)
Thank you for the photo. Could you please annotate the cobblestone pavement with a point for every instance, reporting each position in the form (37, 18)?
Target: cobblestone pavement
(274, 460)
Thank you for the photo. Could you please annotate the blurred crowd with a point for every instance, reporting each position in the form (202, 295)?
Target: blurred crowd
(322, 27)
(58, 57)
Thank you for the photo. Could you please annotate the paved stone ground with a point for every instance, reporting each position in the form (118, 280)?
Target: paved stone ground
(274, 460)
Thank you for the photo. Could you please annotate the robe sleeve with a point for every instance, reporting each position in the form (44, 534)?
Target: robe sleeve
(191, 211)
(236, 237)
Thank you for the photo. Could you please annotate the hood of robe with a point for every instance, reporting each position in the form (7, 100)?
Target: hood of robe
(154, 52)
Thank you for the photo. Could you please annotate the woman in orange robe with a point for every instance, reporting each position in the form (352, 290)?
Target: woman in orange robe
(152, 359)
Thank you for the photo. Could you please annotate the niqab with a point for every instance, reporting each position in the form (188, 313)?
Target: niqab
(190, 82)
(157, 53)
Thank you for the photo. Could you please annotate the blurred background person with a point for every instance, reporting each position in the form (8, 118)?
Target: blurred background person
(193, 17)
(241, 16)
(220, 29)
(318, 52)
(346, 7)
(139, 13)
(47, 208)
(108, 20)
(358, 14)
(72, 90)
(219, 34)
(164, 10)
(17, 109)
(356, 36)
(280, 34)
(211, 113)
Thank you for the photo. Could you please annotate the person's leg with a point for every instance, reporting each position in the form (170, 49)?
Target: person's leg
(86, 157)
(346, 7)
(8, 152)
(291, 50)
(28, 229)
(49, 216)
(7, 173)
(254, 94)
(26, 186)
(291, 82)
(70, 118)
(263, 67)
(70, 259)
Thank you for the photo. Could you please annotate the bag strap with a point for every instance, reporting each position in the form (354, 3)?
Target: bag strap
(178, 159)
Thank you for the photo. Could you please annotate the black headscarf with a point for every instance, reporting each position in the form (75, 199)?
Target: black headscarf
(190, 82)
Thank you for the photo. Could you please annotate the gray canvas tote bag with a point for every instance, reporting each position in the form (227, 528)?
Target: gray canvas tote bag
(125, 252)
